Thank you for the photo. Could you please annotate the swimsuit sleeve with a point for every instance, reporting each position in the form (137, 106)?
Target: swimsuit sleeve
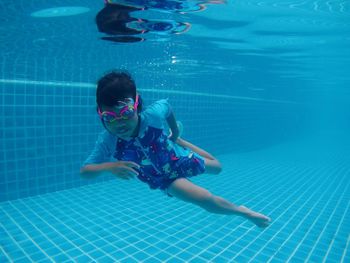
(158, 112)
(102, 152)
(161, 108)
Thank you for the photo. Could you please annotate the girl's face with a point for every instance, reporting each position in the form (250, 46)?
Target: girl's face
(121, 119)
(123, 128)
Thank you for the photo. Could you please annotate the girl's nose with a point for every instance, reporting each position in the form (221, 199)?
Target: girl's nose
(121, 125)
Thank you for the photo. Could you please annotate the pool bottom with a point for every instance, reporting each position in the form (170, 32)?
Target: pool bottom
(305, 191)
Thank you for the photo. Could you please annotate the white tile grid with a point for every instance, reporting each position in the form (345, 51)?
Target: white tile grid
(346, 254)
(25, 83)
(336, 234)
(201, 228)
(135, 228)
(7, 257)
(291, 183)
(92, 223)
(111, 193)
(320, 182)
(241, 225)
(107, 200)
(334, 191)
(282, 206)
(52, 228)
(245, 176)
(37, 228)
(253, 187)
(321, 218)
(25, 233)
(224, 226)
(174, 234)
(51, 165)
(55, 98)
(63, 235)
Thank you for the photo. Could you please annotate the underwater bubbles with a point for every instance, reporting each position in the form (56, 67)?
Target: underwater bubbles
(61, 11)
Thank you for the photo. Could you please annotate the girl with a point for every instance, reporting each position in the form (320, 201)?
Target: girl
(135, 144)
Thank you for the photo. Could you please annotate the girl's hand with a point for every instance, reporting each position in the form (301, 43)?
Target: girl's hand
(123, 169)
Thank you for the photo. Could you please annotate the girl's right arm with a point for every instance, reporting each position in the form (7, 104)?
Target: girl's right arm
(122, 169)
(93, 170)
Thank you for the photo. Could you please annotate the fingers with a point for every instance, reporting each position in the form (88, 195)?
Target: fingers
(126, 170)
(131, 171)
(131, 164)
(129, 167)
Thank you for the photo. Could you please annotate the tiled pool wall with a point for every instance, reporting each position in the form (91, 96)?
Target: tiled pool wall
(48, 129)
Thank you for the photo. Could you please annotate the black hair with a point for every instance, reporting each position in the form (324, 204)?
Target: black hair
(116, 86)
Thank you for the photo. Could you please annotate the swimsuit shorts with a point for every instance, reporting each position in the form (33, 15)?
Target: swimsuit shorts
(181, 167)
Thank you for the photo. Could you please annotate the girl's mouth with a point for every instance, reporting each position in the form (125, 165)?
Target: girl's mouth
(122, 131)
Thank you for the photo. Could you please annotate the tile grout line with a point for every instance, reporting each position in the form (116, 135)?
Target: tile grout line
(324, 227)
(109, 206)
(20, 212)
(346, 249)
(302, 180)
(90, 85)
(3, 250)
(318, 200)
(170, 220)
(249, 229)
(52, 228)
(286, 223)
(238, 226)
(336, 233)
(100, 210)
(29, 238)
(131, 245)
(71, 228)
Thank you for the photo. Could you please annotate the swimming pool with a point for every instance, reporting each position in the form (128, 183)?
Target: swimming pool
(263, 87)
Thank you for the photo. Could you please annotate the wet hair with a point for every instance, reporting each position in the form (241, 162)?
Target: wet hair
(116, 86)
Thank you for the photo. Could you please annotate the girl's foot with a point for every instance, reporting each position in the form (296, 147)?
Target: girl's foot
(259, 219)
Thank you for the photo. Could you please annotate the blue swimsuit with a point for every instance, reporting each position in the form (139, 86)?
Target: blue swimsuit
(161, 160)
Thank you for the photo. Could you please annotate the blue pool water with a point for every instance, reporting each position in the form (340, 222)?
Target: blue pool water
(262, 85)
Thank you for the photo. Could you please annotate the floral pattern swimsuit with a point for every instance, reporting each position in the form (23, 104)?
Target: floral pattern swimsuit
(161, 160)
(158, 161)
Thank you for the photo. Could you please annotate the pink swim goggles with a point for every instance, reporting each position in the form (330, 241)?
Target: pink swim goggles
(125, 111)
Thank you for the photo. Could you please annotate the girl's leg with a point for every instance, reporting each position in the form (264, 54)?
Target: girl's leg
(189, 192)
(212, 165)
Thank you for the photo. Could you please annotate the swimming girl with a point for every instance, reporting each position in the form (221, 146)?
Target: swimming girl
(135, 143)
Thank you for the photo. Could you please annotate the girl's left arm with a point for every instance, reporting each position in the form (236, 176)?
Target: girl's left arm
(171, 120)
(212, 165)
